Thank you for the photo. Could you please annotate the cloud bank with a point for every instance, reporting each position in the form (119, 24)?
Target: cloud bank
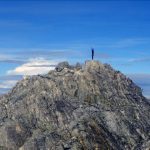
(8, 84)
(142, 80)
(34, 67)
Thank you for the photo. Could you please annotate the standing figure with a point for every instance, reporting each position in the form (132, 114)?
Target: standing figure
(92, 53)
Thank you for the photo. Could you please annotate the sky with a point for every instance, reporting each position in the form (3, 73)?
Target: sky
(36, 35)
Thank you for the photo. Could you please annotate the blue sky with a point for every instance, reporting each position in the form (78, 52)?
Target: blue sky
(35, 35)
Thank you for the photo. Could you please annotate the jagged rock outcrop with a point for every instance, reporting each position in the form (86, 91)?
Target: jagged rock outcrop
(89, 107)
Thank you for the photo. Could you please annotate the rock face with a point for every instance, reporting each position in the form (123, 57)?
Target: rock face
(89, 107)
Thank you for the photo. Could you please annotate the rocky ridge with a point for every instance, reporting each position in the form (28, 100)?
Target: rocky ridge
(89, 107)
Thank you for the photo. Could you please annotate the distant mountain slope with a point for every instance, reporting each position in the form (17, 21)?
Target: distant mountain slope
(89, 107)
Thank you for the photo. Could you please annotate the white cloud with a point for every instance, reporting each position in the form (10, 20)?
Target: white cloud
(136, 60)
(7, 84)
(11, 59)
(33, 67)
(5, 56)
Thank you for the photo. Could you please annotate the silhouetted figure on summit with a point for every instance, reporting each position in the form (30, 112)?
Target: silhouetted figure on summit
(92, 53)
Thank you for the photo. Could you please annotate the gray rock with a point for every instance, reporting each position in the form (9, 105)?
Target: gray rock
(78, 66)
(62, 65)
(75, 108)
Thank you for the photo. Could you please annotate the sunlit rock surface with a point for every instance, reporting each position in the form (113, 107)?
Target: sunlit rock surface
(82, 107)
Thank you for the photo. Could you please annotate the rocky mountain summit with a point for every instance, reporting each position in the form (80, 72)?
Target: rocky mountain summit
(82, 107)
